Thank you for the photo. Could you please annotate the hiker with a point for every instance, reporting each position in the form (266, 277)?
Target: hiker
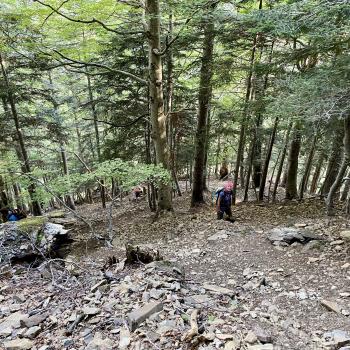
(224, 202)
(12, 214)
(137, 192)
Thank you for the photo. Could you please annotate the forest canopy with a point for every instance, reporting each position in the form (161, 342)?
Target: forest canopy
(98, 97)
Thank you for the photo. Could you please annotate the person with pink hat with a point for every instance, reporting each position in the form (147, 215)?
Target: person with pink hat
(224, 202)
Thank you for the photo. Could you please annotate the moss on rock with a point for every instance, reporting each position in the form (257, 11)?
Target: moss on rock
(31, 223)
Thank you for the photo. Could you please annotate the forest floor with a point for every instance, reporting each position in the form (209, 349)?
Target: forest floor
(292, 296)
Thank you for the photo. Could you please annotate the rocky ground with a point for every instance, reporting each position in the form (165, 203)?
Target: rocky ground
(278, 278)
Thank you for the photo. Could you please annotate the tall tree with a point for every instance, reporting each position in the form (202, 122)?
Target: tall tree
(158, 118)
(205, 90)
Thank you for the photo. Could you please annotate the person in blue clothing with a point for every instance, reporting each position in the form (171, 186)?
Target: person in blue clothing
(11, 216)
(224, 202)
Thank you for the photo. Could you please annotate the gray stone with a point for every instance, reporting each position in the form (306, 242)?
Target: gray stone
(18, 344)
(5, 332)
(345, 235)
(67, 342)
(261, 347)
(136, 317)
(16, 237)
(262, 335)
(32, 332)
(251, 338)
(330, 305)
(218, 236)
(219, 290)
(100, 343)
(198, 300)
(91, 311)
(12, 321)
(232, 344)
(34, 320)
(338, 337)
(290, 235)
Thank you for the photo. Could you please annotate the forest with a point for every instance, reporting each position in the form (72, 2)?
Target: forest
(124, 127)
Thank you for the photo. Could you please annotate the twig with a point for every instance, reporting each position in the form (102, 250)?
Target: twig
(194, 327)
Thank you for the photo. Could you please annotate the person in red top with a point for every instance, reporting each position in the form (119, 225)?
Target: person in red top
(224, 202)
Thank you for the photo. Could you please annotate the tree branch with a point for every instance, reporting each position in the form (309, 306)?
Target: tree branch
(119, 125)
(99, 65)
(91, 21)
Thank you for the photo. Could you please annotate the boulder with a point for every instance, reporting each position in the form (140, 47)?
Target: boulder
(30, 237)
(290, 235)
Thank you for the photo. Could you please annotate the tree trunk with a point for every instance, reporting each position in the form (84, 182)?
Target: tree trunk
(257, 171)
(4, 202)
(345, 192)
(280, 168)
(204, 97)
(97, 138)
(244, 120)
(69, 197)
(36, 208)
(345, 163)
(169, 106)
(305, 179)
(267, 161)
(217, 154)
(293, 159)
(158, 118)
(317, 173)
(249, 171)
(333, 163)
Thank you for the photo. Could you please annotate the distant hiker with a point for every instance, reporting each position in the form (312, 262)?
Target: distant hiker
(12, 214)
(223, 171)
(224, 201)
(136, 193)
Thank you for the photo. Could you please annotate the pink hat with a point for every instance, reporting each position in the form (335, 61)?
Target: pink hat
(228, 186)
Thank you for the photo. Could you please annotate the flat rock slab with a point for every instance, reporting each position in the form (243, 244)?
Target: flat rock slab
(34, 320)
(338, 337)
(18, 344)
(12, 321)
(289, 235)
(261, 347)
(135, 318)
(331, 305)
(218, 236)
(218, 289)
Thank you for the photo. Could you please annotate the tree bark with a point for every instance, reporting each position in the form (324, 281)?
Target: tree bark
(317, 173)
(97, 138)
(267, 161)
(204, 98)
(345, 163)
(305, 179)
(345, 192)
(36, 208)
(69, 197)
(169, 106)
(293, 159)
(333, 163)
(158, 118)
(244, 120)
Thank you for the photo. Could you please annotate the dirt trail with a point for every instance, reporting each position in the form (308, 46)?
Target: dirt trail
(297, 277)
(278, 289)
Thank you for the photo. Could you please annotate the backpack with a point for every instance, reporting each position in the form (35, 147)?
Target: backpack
(217, 193)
